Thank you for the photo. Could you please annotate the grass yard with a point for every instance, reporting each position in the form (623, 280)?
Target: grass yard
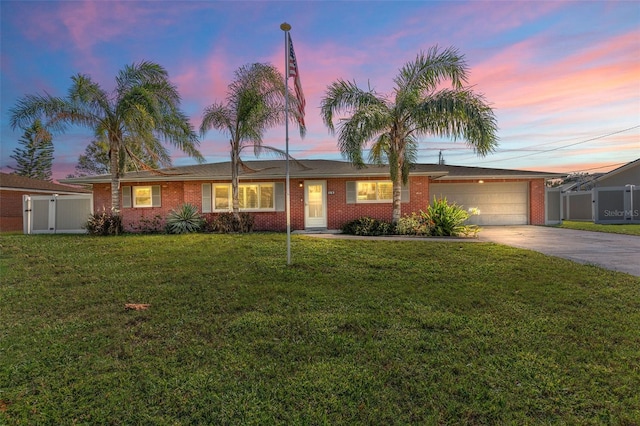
(355, 332)
(631, 229)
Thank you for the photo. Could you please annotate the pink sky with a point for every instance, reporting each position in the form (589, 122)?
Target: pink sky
(556, 73)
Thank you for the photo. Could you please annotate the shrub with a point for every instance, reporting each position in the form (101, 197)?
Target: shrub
(185, 219)
(367, 226)
(226, 223)
(414, 224)
(446, 219)
(148, 226)
(104, 223)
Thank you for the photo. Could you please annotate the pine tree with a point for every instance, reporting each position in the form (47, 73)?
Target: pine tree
(95, 160)
(36, 158)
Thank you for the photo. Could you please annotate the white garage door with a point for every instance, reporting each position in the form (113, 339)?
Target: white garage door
(504, 203)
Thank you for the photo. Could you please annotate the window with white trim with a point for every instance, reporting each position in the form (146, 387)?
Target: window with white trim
(222, 197)
(374, 191)
(251, 196)
(371, 191)
(141, 196)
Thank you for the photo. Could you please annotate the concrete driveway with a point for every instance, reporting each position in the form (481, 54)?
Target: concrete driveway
(611, 251)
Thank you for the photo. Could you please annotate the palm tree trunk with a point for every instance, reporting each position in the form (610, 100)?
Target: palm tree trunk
(397, 198)
(115, 177)
(235, 164)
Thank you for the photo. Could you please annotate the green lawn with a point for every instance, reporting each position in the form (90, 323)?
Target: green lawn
(354, 332)
(590, 226)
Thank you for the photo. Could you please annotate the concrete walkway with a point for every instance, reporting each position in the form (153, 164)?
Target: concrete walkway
(611, 251)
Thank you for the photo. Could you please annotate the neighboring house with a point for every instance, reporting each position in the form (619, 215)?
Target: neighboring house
(629, 174)
(616, 195)
(324, 194)
(12, 190)
(612, 197)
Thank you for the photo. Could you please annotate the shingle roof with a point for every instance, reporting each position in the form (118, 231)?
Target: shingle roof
(275, 169)
(15, 182)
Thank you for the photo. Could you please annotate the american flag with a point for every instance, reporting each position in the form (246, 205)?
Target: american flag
(295, 73)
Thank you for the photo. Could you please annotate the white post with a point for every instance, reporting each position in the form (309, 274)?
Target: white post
(286, 27)
(27, 218)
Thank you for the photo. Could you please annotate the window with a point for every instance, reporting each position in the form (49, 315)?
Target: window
(373, 191)
(251, 196)
(141, 196)
(222, 197)
(248, 196)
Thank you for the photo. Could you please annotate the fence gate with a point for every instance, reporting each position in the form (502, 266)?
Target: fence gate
(552, 206)
(577, 205)
(56, 214)
(617, 204)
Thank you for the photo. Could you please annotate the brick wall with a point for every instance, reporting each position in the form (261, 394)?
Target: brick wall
(11, 210)
(172, 194)
(536, 202)
(101, 197)
(338, 211)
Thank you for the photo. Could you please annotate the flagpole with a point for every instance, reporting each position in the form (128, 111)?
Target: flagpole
(286, 28)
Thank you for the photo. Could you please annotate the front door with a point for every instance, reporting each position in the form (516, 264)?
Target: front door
(315, 204)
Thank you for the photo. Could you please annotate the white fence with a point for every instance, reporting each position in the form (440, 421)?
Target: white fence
(614, 205)
(56, 214)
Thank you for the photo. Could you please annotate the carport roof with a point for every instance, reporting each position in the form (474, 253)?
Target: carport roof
(307, 169)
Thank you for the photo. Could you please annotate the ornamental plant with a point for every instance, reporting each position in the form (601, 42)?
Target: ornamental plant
(104, 223)
(446, 220)
(367, 226)
(226, 223)
(184, 220)
(440, 220)
(413, 224)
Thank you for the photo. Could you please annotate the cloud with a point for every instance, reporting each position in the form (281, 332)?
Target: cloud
(518, 76)
(81, 27)
(205, 82)
(486, 18)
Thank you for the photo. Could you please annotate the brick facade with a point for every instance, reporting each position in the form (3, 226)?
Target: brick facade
(339, 212)
(536, 202)
(11, 210)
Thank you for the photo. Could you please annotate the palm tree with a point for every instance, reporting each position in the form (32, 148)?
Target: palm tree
(255, 102)
(143, 110)
(419, 106)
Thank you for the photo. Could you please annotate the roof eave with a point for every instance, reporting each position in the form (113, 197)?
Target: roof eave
(630, 165)
(498, 177)
(167, 178)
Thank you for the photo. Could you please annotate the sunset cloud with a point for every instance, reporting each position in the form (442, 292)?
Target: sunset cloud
(555, 72)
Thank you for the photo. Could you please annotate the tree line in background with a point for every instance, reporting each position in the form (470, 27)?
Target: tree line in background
(134, 122)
